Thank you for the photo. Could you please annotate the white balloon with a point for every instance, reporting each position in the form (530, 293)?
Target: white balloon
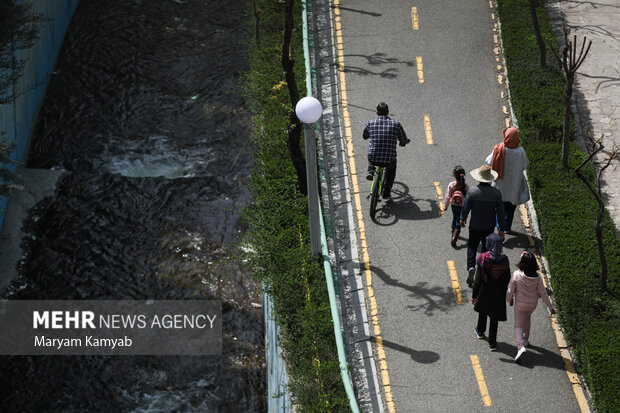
(308, 109)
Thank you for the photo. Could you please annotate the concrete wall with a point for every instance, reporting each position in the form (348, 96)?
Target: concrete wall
(278, 397)
(17, 119)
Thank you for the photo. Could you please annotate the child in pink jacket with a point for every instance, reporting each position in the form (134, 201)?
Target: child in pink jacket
(525, 287)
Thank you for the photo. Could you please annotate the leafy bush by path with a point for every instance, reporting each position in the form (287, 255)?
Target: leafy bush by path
(277, 225)
(565, 208)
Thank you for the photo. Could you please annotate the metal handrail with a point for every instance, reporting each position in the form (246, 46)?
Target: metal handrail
(329, 277)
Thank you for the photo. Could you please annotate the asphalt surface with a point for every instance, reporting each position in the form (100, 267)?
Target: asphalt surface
(427, 336)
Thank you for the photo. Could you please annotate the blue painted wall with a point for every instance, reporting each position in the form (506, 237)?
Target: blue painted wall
(17, 119)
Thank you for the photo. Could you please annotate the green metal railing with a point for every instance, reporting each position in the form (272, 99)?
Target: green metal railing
(344, 366)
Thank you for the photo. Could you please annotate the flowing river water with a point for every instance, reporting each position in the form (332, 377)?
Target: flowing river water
(145, 114)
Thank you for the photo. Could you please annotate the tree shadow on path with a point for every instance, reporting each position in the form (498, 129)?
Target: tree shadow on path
(426, 299)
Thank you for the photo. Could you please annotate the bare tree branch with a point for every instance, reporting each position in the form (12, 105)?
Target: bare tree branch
(597, 146)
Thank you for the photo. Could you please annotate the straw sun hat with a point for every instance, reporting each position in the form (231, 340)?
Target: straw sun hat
(484, 174)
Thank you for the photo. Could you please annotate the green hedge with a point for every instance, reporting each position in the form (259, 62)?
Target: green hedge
(277, 224)
(566, 210)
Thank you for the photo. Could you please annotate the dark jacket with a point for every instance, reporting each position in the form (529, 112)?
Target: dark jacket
(490, 285)
(485, 203)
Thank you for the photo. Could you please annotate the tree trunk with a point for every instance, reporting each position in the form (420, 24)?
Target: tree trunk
(256, 20)
(541, 44)
(599, 217)
(568, 92)
(295, 127)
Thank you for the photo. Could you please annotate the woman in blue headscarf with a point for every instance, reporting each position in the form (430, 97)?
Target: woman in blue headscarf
(490, 284)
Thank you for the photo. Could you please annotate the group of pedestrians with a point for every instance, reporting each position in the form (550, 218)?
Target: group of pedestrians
(494, 286)
(502, 186)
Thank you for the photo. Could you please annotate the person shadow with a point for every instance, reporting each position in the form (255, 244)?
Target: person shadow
(518, 240)
(534, 356)
(402, 205)
(419, 356)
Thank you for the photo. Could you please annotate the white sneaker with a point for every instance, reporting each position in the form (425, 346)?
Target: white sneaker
(521, 351)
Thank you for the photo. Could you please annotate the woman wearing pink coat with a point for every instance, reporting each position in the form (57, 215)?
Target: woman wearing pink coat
(525, 287)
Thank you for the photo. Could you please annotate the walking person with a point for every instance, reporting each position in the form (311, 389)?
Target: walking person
(491, 280)
(525, 286)
(509, 160)
(455, 196)
(384, 133)
(485, 204)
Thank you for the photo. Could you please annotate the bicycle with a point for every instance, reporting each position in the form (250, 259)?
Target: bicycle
(376, 188)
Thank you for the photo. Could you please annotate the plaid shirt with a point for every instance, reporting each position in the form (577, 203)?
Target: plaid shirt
(383, 133)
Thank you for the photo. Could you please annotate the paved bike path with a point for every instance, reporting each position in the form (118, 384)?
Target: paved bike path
(454, 117)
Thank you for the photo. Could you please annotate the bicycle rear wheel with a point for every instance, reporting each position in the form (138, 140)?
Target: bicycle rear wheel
(374, 193)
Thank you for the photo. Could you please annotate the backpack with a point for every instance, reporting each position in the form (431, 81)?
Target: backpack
(457, 198)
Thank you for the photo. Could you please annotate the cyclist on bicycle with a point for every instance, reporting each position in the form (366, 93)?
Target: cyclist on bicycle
(383, 133)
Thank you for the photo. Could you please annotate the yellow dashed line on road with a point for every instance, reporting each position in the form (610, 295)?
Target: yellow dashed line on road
(482, 385)
(491, 4)
(414, 18)
(456, 286)
(428, 130)
(439, 193)
(365, 258)
(418, 61)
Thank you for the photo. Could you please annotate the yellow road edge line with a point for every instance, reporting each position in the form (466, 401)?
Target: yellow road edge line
(531, 240)
(428, 130)
(415, 25)
(482, 385)
(365, 259)
(456, 286)
(525, 216)
(418, 61)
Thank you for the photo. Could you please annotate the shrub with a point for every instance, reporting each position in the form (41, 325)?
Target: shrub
(566, 210)
(277, 226)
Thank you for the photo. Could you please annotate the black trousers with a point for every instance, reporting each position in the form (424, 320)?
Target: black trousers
(475, 238)
(390, 174)
(482, 326)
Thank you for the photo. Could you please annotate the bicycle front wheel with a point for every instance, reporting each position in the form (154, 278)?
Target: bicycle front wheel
(374, 194)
